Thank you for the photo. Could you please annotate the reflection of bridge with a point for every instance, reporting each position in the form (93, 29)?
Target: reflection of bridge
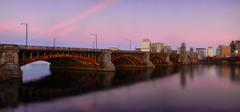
(62, 83)
(14, 56)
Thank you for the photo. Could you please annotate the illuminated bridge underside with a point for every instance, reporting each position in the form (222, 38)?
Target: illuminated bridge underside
(174, 58)
(159, 59)
(131, 59)
(64, 61)
(127, 61)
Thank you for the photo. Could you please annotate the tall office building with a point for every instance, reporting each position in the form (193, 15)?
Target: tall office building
(224, 50)
(183, 48)
(157, 47)
(201, 52)
(218, 52)
(191, 51)
(237, 43)
(167, 49)
(145, 45)
(210, 52)
(235, 47)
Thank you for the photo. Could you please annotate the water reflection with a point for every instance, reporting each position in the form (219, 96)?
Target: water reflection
(235, 74)
(9, 93)
(179, 79)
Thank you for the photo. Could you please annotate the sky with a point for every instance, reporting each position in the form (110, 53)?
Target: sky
(198, 23)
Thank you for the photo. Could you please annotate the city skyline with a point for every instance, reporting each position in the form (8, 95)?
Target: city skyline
(197, 23)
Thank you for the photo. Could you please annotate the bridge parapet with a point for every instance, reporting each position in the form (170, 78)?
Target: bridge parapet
(22, 47)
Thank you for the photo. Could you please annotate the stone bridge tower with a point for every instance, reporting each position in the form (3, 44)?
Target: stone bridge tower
(9, 68)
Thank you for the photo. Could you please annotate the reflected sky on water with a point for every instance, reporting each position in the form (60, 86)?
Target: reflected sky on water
(196, 88)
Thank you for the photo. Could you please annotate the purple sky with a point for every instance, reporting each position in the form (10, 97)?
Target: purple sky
(199, 23)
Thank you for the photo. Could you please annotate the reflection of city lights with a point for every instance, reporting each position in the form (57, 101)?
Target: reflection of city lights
(236, 71)
(210, 71)
(236, 51)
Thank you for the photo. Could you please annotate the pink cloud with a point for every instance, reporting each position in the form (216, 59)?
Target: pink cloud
(83, 15)
(66, 32)
(8, 27)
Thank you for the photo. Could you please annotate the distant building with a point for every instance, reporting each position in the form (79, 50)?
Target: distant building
(235, 47)
(201, 52)
(138, 49)
(178, 51)
(183, 48)
(174, 52)
(167, 49)
(113, 48)
(145, 45)
(237, 43)
(218, 52)
(191, 51)
(157, 47)
(210, 52)
(225, 50)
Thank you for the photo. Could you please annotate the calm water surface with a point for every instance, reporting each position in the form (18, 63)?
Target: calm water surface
(196, 88)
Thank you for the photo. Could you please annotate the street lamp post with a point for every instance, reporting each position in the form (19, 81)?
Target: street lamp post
(26, 26)
(54, 42)
(130, 44)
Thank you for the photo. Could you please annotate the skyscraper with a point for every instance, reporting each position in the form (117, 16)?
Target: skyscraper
(145, 45)
(167, 49)
(157, 47)
(191, 51)
(210, 52)
(183, 48)
(201, 52)
(235, 47)
(224, 50)
(218, 52)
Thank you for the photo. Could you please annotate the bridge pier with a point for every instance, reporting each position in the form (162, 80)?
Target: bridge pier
(105, 61)
(183, 59)
(9, 67)
(168, 60)
(146, 60)
(194, 60)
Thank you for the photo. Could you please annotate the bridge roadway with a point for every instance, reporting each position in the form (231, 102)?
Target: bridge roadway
(12, 57)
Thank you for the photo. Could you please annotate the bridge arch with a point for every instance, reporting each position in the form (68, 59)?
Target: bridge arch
(174, 58)
(64, 60)
(126, 60)
(158, 60)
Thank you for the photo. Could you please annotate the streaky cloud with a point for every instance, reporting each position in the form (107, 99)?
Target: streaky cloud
(102, 4)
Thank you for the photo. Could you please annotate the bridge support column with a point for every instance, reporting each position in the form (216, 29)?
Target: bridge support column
(147, 62)
(185, 59)
(105, 61)
(9, 68)
(168, 59)
(182, 59)
(194, 59)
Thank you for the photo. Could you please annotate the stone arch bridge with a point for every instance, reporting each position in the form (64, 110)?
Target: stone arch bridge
(12, 57)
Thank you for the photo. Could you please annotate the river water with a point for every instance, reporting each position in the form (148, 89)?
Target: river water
(186, 88)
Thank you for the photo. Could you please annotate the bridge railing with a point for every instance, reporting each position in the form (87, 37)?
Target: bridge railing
(30, 47)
